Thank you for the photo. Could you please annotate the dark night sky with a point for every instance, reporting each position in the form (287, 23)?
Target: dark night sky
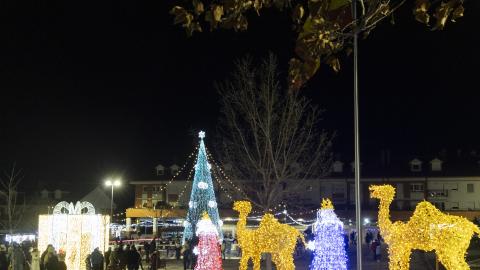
(90, 88)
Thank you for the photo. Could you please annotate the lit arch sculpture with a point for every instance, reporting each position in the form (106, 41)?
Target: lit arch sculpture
(75, 233)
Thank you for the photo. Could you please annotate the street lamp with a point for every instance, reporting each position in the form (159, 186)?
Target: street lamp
(112, 183)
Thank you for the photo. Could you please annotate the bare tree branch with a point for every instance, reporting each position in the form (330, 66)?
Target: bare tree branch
(270, 137)
(9, 196)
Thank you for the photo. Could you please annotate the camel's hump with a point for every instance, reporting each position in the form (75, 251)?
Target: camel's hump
(426, 209)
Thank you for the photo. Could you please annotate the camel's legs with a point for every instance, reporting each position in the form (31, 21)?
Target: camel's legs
(244, 262)
(256, 261)
(398, 260)
(453, 260)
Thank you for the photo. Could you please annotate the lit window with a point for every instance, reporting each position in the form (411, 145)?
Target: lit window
(416, 188)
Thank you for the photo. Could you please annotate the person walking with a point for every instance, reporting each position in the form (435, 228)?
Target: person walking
(134, 259)
(17, 261)
(122, 257)
(50, 261)
(186, 252)
(154, 261)
(3, 258)
(373, 247)
(146, 248)
(61, 261)
(107, 257)
(114, 260)
(35, 264)
(378, 251)
(42, 257)
(96, 259)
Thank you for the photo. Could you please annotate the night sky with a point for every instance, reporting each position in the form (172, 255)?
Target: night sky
(92, 88)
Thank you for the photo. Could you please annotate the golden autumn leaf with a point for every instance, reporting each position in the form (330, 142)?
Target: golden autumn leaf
(217, 12)
(458, 12)
(334, 63)
(298, 13)
(441, 13)
(198, 6)
(421, 11)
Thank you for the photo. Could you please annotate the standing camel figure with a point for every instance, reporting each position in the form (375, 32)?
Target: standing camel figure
(271, 237)
(428, 229)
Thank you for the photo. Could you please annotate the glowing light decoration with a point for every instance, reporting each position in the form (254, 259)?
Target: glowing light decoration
(212, 204)
(270, 237)
(202, 185)
(329, 245)
(428, 229)
(75, 233)
(202, 196)
(208, 249)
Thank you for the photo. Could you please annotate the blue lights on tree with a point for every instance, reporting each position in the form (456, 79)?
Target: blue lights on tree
(202, 198)
(329, 246)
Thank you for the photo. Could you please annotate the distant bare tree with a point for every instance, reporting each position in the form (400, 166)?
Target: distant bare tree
(271, 136)
(9, 198)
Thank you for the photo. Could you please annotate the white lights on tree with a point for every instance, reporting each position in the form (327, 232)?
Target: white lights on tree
(74, 233)
(186, 223)
(202, 185)
(190, 204)
(220, 223)
(212, 204)
(201, 134)
(209, 166)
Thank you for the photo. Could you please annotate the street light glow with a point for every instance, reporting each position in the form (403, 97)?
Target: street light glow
(113, 182)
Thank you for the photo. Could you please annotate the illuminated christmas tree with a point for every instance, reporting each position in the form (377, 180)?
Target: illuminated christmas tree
(202, 198)
(329, 245)
(208, 249)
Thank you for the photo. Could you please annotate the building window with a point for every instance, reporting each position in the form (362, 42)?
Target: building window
(148, 189)
(160, 172)
(309, 188)
(416, 165)
(338, 166)
(470, 188)
(416, 188)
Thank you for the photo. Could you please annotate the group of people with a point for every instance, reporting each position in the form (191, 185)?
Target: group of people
(121, 258)
(16, 258)
(374, 244)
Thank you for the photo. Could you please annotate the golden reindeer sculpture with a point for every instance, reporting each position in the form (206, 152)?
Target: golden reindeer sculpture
(428, 229)
(271, 237)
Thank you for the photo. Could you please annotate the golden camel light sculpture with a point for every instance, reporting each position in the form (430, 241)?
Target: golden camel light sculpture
(428, 229)
(271, 237)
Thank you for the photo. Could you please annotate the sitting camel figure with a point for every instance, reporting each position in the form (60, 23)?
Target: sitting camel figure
(270, 237)
(428, 229)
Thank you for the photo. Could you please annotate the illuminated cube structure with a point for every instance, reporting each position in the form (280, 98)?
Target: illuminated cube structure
(75, 230)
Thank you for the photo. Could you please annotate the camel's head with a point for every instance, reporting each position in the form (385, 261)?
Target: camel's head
(242, 207)
(382, 192)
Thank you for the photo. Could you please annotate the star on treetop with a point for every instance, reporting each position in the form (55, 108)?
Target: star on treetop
(201, 134)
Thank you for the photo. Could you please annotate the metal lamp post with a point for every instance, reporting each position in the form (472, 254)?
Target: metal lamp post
(112, 183)
(358, 216)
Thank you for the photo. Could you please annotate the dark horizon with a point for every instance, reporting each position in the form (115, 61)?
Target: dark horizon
(91, 89)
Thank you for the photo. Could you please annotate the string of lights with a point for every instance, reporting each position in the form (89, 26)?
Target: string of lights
(164, 187)
(225, 176)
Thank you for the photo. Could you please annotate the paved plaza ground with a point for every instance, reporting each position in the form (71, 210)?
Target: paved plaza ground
(419, 261)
